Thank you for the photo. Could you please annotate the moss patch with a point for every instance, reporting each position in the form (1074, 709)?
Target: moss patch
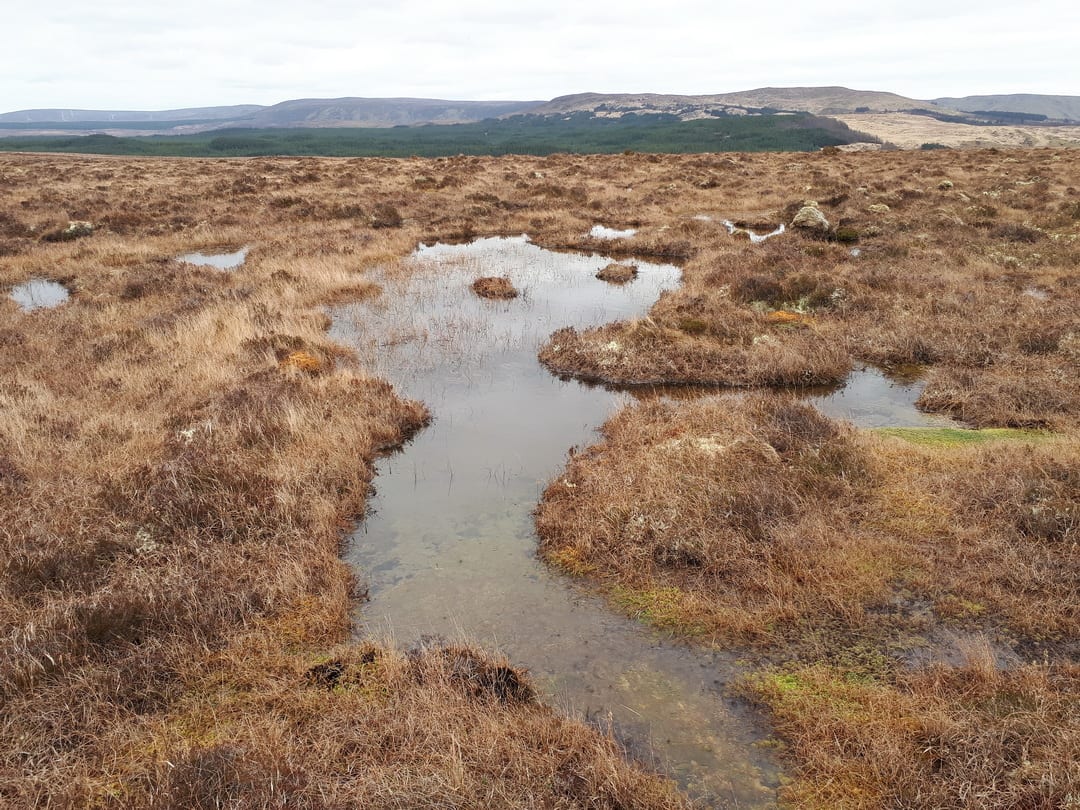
(947, 437)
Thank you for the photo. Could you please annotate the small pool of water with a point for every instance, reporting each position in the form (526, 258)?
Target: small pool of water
(222, 261)
(756, 238)
(449, 545)
(39, 293)
(870, 398)
(600, 232)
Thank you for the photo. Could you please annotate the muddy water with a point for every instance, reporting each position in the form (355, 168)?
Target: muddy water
(449, 547)
(39, 293)
(222, 261)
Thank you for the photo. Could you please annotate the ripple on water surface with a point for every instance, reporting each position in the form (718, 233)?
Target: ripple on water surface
(39, 293)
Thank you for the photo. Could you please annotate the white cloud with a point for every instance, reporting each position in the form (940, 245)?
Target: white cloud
(138, 55)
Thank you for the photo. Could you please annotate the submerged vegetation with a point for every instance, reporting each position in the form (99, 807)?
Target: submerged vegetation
(182, 448)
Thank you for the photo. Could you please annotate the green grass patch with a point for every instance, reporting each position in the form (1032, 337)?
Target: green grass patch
(951, 437)
(665, 608)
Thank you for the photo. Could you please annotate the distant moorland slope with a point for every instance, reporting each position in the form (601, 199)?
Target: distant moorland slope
(990, 120)
(1061, 108)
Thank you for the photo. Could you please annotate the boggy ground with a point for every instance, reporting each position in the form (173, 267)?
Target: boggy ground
(911, 595)
(181, 449)
(965, 265)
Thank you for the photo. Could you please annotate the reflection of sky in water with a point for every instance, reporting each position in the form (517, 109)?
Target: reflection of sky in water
(450, 544)
(222, 261)
(602, 232)
(38, 293)
(756, 238)
(871, 399)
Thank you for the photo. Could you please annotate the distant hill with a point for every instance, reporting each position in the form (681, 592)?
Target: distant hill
(58, 116)
(1060, 108)
(305, 112)
(863, 110)
(382, 112)
(816, 100)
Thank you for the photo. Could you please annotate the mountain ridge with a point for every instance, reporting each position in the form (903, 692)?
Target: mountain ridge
(376, 112)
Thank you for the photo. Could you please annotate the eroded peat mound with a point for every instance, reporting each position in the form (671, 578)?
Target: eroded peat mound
(182, 448)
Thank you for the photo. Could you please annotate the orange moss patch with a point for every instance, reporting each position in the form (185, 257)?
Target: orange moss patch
(304, 361)
(784, 317)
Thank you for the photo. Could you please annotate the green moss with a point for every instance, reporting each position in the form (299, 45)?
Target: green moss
(693, 326)
(948, 437)
(661, 607)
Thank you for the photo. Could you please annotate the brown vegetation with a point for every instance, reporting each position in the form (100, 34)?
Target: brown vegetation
(616, 273)
(972, 736)
(757, 520)
(495, 287)
(180, 451)
(974, 278)
(180, 448)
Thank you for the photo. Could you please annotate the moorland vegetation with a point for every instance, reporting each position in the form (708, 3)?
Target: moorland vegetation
(181, 450)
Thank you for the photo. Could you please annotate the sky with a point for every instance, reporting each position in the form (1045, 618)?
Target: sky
(144, 55)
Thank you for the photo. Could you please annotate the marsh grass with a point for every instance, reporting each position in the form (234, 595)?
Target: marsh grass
(970, 736)
(174, 487)
(497, 287)
(181, 451)
(757, 521)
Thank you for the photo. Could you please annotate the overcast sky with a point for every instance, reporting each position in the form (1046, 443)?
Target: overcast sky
(123, 54)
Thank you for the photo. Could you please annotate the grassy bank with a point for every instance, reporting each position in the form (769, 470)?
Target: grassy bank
(913, 604)
(181, 450)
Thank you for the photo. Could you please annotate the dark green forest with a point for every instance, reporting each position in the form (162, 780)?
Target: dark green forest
(526, 135)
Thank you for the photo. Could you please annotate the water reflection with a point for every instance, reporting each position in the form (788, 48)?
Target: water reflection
(450, 544)
(222, 261)
(39, 293)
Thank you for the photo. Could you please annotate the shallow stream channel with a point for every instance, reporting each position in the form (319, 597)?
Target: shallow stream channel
(449, 548)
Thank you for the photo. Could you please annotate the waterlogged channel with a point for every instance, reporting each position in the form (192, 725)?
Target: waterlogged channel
(449, 545)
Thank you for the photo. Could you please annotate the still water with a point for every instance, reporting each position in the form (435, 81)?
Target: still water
(449, 546)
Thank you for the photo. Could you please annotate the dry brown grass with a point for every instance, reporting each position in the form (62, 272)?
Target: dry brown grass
(974, 277)
(971, 736)
(759, 520)
(617, 273)
(180, 451)
(910, 131)
(496, 287)
(181, 448)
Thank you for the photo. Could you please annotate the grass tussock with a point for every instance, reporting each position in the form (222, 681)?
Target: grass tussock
(617, 273)
(757, 520)
(495, 287)
(971, 736)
